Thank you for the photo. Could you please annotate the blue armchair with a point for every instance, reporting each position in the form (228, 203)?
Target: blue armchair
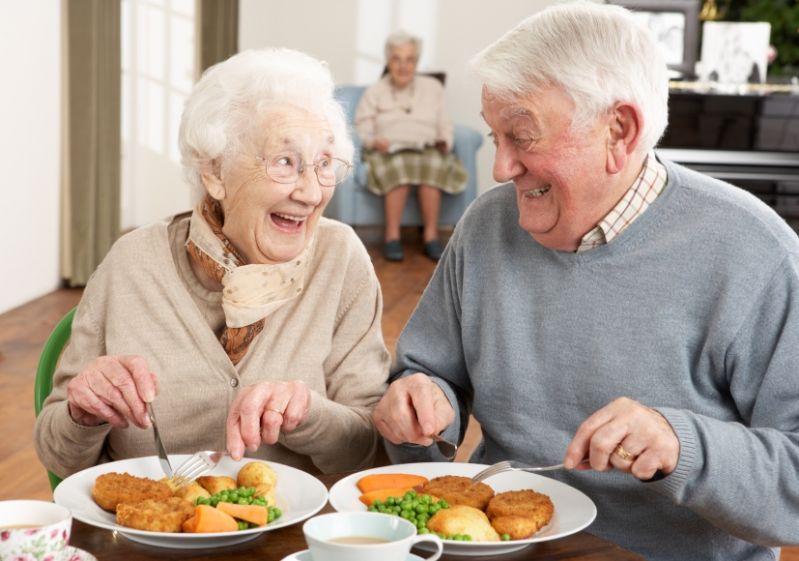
(355, 205)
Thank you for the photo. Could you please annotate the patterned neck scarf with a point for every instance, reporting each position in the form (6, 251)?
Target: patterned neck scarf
(250, 291)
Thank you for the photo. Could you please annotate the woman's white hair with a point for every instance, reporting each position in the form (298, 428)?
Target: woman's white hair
(220, 117)
(399, 38)
(598, 54)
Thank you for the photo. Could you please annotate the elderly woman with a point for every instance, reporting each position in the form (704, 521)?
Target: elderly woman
(403, 124)
(250, 323)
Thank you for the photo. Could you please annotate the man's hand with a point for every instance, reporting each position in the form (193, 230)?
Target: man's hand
(628, 436)
(411, 410)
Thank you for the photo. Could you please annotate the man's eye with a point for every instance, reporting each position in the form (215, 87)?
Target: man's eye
(522, 142)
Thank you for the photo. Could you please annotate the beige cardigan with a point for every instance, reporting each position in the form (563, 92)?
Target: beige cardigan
(414, 115)
(144, 299)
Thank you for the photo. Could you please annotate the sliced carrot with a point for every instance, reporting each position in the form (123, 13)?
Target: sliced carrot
(254, 514)
(382, 495)
(378, 481)
(210, 519)
(189, 525)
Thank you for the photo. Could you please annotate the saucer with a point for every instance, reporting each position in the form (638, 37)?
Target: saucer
(305, 555)
(75, 554)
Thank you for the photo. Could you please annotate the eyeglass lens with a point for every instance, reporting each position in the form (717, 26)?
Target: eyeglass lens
(287, 168)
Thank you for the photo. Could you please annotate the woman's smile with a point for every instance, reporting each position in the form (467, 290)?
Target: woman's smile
(289, 223)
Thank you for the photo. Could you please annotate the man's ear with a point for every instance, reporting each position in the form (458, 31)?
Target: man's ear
(211, 176)
(624, 133)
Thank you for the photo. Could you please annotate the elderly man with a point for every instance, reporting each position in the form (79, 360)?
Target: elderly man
(603, 304)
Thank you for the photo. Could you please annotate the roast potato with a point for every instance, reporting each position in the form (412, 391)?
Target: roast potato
(261, 476)
(215, 483)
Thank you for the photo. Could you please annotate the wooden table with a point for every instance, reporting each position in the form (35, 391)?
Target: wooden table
(276, 545)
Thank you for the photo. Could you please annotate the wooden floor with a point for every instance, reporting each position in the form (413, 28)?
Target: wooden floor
(24, 330)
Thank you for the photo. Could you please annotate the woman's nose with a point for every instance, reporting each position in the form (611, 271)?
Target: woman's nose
(506, 165)
(307, 189)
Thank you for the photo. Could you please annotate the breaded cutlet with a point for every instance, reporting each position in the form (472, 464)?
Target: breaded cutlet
(112, 489)
(165, 515)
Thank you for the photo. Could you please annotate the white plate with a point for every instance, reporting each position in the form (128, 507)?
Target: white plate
(573, 509)
(299, 495)
(305, 555)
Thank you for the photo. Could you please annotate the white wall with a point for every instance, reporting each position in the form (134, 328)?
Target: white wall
(349, 35)
(30, 128)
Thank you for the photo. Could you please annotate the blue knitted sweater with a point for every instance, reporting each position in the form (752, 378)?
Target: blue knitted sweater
(692, 310)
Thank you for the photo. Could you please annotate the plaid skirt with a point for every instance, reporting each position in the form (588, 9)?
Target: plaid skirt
(413, 167)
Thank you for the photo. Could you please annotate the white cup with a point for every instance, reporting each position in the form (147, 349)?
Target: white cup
(35, 530)
(396, 536)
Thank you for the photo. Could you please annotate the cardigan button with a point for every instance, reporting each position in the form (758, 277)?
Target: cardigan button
(233, 382)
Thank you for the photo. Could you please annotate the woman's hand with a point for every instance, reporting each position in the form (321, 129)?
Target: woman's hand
(262, 410)
(381, 145)
(412, 409)
(628, 436)
(114, 390)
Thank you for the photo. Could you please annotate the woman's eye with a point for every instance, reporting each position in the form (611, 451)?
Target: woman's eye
(284, 161)
(324, 163)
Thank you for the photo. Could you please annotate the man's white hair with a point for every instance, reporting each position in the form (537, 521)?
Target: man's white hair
(598, 54)
(221, 115)
(399, 38)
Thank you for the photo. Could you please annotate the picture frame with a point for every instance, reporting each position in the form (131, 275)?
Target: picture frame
(735, 52)
(675, 24)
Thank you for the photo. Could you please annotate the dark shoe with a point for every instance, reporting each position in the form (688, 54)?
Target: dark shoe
(433, 250)
(392, 251)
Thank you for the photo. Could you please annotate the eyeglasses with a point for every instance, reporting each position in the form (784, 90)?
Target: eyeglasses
(287, 167)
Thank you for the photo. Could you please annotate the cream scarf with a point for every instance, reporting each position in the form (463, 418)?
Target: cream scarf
(250, 291)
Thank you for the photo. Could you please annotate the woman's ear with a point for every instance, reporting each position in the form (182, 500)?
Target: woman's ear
(624, 132)
(211, 176)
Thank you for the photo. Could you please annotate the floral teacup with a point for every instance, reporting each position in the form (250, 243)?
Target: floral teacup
(34, 531)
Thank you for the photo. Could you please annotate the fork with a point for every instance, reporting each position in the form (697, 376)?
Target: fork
(513, 465)
(195, 465)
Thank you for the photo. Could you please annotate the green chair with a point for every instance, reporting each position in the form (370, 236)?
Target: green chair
(46, 368)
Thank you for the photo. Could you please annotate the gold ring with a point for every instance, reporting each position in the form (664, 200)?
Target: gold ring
(273, 410)
(623, 454)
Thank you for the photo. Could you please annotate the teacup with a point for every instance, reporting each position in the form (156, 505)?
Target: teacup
(34, 530)
(364, 536)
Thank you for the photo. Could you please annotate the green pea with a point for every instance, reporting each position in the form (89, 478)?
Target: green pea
(505, 537)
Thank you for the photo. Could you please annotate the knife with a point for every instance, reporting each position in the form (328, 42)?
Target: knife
(162, 457)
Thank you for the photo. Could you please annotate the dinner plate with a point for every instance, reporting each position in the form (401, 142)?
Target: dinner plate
(305, 555)
(298, 495)
(573, 509)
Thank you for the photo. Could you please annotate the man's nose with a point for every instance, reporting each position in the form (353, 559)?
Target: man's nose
(506, 165)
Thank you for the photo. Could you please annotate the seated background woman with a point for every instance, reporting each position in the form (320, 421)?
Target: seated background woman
(403, 123)
(254, 320)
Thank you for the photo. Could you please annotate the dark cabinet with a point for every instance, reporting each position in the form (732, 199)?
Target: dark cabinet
(751, 141)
